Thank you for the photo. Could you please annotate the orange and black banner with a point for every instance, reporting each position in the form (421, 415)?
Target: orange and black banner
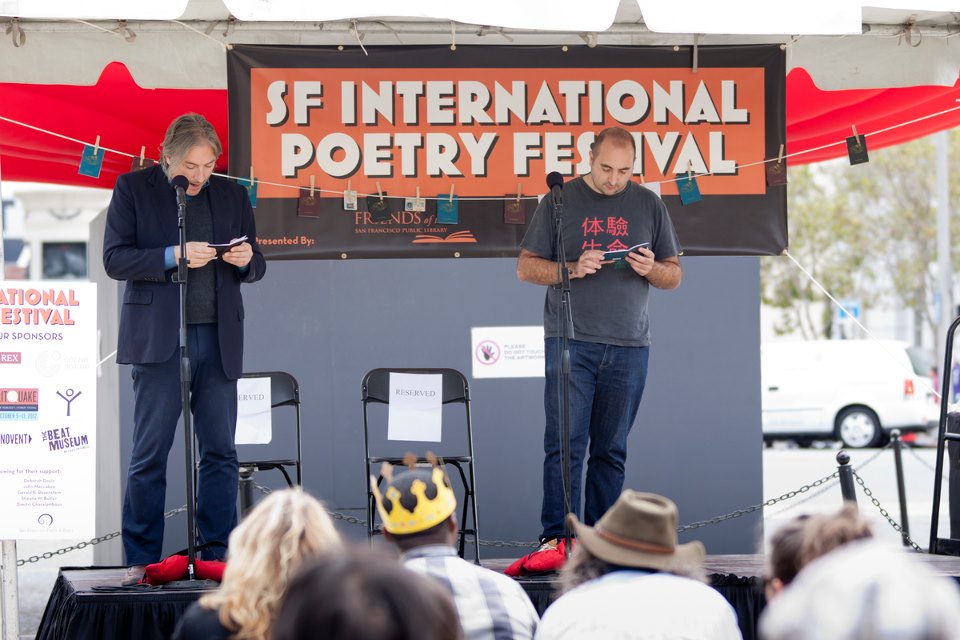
(447, 149)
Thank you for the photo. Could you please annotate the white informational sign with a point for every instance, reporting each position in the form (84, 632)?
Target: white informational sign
(48, 394)
(507, 352)
(416, 407)
(254, 417)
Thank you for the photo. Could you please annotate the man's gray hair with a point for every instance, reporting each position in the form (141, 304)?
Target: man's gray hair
(184, 133)
(583, 567)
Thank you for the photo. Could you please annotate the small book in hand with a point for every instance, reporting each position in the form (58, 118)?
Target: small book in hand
(622, 253)
(226, 246)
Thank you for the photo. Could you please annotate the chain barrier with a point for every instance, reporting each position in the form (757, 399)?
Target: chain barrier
(767, 503)
(929, 466)
(88, 543)
(824, 482)
(883, 512)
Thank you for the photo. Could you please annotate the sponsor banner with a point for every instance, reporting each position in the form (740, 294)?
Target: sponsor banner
(507, 352)
(439, 145)
(48, 336)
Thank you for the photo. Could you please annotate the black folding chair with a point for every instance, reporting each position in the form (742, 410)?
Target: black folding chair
(284, 392)
(375, 389)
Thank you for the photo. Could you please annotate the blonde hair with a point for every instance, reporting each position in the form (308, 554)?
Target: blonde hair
(184, 133)
(283, 531)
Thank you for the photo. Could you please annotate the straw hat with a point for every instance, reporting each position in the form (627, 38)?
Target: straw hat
(639, 530)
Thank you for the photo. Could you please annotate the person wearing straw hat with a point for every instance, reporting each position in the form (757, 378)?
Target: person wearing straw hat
(417, 507)
(628, 577)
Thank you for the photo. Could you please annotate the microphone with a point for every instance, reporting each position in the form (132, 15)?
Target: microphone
(179, 184)
(555, 184)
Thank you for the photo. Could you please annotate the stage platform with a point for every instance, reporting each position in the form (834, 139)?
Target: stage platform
(87, 603)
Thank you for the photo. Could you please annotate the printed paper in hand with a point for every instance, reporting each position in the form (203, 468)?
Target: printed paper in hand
(254, 420)
(416, 407)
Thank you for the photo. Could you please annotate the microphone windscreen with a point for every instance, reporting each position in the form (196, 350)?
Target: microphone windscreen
(180, 182)
(554, 179)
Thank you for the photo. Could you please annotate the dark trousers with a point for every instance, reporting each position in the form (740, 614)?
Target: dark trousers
(606, 385)
(157, 409)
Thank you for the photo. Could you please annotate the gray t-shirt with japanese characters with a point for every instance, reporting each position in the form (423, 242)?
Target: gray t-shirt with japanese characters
(609, 306)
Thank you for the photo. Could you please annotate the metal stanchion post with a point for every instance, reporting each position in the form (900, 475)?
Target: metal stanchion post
(246, 489)
(11, 601)
(901, 490)
(847, 487)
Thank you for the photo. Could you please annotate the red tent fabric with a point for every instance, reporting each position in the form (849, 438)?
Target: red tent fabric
(126, 117)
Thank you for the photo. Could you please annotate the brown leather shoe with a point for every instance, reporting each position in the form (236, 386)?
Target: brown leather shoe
(134, 575)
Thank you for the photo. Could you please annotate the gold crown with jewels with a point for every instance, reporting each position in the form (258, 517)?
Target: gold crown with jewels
(415, 499)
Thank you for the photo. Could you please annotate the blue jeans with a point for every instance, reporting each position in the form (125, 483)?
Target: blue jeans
(606, 385)
(157, 408)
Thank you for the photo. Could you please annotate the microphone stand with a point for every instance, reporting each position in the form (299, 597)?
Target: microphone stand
(185, 380)
(565, 321)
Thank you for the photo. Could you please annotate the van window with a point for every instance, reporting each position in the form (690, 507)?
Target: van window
(921, 360)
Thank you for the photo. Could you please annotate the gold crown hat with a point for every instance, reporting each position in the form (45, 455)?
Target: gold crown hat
(413, 500)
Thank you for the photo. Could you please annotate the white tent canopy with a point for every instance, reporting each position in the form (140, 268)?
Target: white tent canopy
(69, 42)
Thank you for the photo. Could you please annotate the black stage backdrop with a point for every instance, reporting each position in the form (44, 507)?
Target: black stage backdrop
(471, 133)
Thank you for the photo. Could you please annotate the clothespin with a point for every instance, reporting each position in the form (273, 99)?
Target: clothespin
(453, 36)
(410, 460)
(349, 188)
(96, 147)
(642, 181)
(143, 150)
(696, 52)
(780, 156)
(451, 194)
(690, 170)
(312, 185)
(379, 191)
(518, 194)
(856, 137)
(418, 194)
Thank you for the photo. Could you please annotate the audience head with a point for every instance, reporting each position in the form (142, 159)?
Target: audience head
(266, 549)
(416, 504)
(783, 560)
(361, 595)
(864, 590)
(638, 531)
(806, 538)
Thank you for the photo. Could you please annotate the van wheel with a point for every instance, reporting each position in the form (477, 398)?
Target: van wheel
(858, 427)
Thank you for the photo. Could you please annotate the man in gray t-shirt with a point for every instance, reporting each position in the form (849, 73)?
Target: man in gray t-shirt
(602, 211)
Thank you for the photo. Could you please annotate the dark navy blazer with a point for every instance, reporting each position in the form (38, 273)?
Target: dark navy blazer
(141, 224)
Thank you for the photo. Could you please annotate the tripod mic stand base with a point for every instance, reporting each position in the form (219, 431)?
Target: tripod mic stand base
(192, 585)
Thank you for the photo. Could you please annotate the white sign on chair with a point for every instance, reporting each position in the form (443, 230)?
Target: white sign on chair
(416, 407)
(254, 419)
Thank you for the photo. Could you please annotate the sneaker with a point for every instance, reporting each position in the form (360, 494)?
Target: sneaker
(549, 557)
(548, 545)
(134, 575)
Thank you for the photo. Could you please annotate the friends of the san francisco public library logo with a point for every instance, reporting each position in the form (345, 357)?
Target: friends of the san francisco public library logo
(51, 362)
(419, 227)
(19, 404)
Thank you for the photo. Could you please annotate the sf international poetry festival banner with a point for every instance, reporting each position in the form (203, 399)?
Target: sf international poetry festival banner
(413, 152)
(48, 393)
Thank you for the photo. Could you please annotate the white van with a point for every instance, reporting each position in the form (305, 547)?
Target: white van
(848, 390)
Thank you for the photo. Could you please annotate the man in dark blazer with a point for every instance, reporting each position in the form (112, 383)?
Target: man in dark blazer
(141, 246)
